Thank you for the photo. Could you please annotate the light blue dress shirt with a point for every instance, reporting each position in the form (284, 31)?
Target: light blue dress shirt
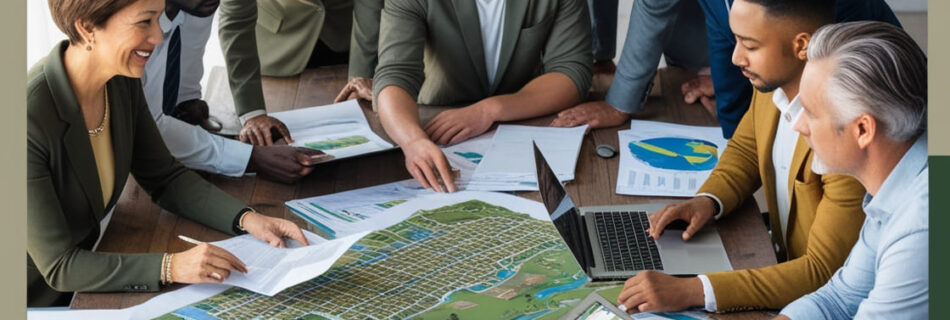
(885, 276)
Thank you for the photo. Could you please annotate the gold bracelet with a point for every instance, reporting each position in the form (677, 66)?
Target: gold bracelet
(241, 220)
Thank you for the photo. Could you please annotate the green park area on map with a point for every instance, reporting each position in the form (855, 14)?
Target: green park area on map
(470, 260)
(331, 144)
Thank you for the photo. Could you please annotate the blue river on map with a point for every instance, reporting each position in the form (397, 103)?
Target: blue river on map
(544, 294)
(192, 312)
(676, 153)
(532, 315)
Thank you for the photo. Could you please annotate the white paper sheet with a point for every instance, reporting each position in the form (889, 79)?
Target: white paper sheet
(338, 129)
(509, 163)
(465, 156)
(150, 309)
(665, 159)
(271, 269)
(345, 213)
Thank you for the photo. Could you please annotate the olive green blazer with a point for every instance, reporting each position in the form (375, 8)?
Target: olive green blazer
(64, 198)
(276, 38)
(433, 48)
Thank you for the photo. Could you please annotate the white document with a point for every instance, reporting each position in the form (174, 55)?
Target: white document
(665, 159)
(345, 213)
(509, 163)
(153, 308)
(465, 156)
(60, 313)
(271, 270)
(339, 129)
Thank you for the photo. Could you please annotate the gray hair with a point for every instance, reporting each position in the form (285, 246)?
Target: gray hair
(878, 70)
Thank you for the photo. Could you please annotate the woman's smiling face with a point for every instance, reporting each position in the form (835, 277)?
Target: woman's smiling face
(127, 39)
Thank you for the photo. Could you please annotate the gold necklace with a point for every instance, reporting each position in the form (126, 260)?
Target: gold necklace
(105, 115)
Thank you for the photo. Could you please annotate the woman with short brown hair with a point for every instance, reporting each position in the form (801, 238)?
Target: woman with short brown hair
(88, 128)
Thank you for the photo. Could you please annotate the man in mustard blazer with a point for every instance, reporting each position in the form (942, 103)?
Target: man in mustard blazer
(277, 38)
(814, 218)
(506, 60)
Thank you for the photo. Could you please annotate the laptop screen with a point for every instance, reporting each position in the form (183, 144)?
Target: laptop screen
(561, 209)
(553, 195)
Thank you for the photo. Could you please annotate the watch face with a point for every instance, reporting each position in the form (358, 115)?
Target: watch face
(606, 151)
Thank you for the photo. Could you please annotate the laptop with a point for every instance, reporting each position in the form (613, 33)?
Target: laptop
(612, 242)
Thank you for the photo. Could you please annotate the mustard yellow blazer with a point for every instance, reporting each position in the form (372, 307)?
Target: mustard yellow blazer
(825, 215)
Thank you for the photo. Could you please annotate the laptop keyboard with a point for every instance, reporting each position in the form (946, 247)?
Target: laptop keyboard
(625, 243)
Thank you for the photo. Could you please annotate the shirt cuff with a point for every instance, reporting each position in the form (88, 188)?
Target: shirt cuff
(718, 203)
(708, 293)
(249, 115)
(234, 157)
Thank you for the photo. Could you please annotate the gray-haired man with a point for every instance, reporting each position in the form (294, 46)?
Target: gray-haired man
(864, 92)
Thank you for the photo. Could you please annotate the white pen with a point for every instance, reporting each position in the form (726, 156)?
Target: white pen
(190, 240)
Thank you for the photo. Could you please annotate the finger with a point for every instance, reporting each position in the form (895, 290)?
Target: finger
(448, 134)
(344, 93)
(668, 216)
(284, 132)
(243, 137)
(634, 301)
(218, 268)
(303, 158)
(233, 261)
(266, 134)
(293, 231)
(435, 126)
(695, 224)
(417, 174)
(256, 138)
(430, 177)
(445, 172)
(461, 136)
(655, 217)
(213, 274)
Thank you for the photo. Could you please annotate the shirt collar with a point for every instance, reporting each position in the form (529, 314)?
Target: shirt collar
(168, 25)
(789, 109)
(890, 197)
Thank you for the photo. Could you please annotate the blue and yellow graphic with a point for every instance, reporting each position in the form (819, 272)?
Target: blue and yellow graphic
(676, 153)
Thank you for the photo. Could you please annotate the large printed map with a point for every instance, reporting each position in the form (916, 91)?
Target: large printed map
(465, 260)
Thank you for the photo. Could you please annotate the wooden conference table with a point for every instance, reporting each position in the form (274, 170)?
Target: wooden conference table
(138, 225)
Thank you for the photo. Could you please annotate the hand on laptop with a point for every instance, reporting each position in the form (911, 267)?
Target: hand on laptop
(655, 291)
(696, 212)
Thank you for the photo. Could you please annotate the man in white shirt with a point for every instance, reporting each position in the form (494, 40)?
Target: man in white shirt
(186, 26)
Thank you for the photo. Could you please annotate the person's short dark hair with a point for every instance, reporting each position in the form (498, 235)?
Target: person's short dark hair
(818, 12)
(65, 13)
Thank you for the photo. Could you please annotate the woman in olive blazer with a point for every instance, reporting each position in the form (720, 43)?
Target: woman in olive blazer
(66, 198)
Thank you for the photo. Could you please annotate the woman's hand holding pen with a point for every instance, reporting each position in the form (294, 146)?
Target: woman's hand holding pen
(204, 263)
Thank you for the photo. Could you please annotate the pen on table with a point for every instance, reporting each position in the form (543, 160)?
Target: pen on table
(190, 240)
(196, 242)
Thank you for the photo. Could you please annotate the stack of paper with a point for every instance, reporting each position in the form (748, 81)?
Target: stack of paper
(509, 163)
(338, 129)
(345, 213)
(665, 159)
